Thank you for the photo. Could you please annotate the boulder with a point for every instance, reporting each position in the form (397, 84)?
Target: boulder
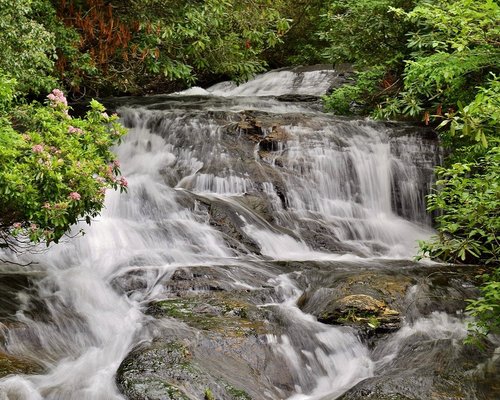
(361, 310)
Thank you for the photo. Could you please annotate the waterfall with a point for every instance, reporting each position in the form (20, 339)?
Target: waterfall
(287, 182)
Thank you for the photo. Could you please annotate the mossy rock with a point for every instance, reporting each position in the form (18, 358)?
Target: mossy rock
(10, 364)
(361, 310)
(168, 371)
(215, 312)
(156, 371)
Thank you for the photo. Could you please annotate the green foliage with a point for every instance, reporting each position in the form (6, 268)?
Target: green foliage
(486, 309)
(371, 36)
(137, 46)
(54, 169)
(474, 123)
(364, 32)
(223, 37)
(453, 50)
(301, 44)
(357, 97)
(27, 49)
(468, 199)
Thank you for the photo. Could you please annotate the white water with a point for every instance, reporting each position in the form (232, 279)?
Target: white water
(339, 176)
(323, 360)
(274, 83)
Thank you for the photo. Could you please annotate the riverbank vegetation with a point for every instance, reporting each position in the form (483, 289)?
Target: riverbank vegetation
(434, 62)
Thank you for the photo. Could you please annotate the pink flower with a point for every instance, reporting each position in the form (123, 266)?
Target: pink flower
(16, 225)
(72, 129)
(56, 98)
(37, 148)
(46, 206)
(123, 182)
(105, 115)
(116, 164)
(74, 196)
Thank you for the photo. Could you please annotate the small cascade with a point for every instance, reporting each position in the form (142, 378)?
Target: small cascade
(356, 186)
(275, 83)
(323, 360)
(244, 185)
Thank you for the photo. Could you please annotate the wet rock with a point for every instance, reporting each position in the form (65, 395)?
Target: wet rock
(360, 310)
(404, 292)
(198, 279)
(445, 289)
(11, 284)
(227, 221)
(321, 236)
(220, 352)
(258, 205)
(275, 141)
(294, 98)
(438, 369)
(370, 301)
(181, 370)
(219, 312)
(160, 371)
(10, 364)
(210, 340)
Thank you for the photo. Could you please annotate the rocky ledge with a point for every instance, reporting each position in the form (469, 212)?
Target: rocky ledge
(210, 336)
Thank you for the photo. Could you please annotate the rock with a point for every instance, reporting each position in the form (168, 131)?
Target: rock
(215, 312)
(10, 286)
(158, 372)
(227, 221)
(360, 310)
(180, 370)
(298, 98)
(10, 364)
(369, 301)
(275, 141)
(402, 292)
(220, 351)
(432, 369)
(210, 340)
(258, 205)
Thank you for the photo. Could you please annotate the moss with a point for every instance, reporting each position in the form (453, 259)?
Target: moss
(209, 395)
(153, 388)
(175, 393)
(237, 394)
(219, 314)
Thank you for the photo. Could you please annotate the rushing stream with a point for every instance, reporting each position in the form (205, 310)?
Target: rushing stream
(250, 185)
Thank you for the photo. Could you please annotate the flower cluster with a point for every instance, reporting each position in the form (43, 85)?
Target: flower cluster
(37, 148)
(123, 182)
(57, 97)
(66, 163)
(72, 129)
(74, 196)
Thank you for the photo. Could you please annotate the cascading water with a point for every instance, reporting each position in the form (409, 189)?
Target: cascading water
(218, 181)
